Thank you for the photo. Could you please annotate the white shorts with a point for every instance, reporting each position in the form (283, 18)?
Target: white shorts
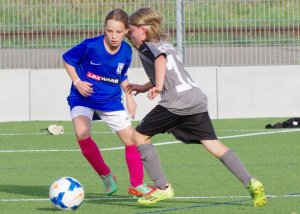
(116, 120)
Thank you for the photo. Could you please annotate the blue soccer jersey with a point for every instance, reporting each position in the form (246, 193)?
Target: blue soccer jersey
(104, 70)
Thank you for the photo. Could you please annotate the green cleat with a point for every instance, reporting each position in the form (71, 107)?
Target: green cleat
(110, 184)
(257, 192)
(157, 195)
(140, 191)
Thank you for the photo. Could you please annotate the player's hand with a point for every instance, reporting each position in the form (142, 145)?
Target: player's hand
(135, 89)
(84, 88)
(153, 92)
(131, 106)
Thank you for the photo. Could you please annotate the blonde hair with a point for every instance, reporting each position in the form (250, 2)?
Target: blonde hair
(152, 20)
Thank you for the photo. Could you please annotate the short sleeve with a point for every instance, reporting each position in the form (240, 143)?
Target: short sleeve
(75, 54)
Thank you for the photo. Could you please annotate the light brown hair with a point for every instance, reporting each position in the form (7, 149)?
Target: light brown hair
(117, 15)
(152, 20)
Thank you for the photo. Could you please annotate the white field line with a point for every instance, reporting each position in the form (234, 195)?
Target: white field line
(177, 198)
(156, 144)
(111, 132)
(45, 133)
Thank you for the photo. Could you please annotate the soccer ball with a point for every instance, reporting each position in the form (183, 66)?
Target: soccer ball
(66, 193)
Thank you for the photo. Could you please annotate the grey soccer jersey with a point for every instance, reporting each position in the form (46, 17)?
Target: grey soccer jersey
(180, 95)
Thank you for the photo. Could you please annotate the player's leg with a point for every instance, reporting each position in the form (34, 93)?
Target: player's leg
(134, 164)
(81, 118)
(150, 160)
(163, 190)
(229, 159)
(120, 122)
(159, 120)
(199, 129)
(232, 161)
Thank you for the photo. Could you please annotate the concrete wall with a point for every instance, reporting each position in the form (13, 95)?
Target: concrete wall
(233, 92)
(258, 92)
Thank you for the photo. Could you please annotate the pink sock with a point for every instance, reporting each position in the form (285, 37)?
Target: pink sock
(135, 165)
(92, 153)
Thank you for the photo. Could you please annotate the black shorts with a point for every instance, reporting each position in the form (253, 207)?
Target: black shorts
(186, 128)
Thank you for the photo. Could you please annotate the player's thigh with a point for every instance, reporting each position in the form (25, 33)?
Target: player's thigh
(140, 139)
(126, 135)
(215, 147)
(81, 118)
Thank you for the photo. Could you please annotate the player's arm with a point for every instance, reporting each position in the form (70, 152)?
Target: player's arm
(84, 88)
(136, 88)
(160, 65)
(72, 73)
(130, 102)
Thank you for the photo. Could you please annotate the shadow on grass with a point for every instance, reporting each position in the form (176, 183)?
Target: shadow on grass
(114, 200)
(48, 209)
(37, 191)
(122, 200)
(196, 205)
(164, 206)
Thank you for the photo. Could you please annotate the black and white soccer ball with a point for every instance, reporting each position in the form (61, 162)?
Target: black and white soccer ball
(66, 193)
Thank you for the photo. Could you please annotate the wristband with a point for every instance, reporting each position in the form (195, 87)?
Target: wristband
(76, 81)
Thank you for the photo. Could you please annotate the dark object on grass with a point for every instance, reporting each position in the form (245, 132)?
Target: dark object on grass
(290, 123)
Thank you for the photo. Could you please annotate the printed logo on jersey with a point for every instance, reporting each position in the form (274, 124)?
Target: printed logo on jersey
(166, 47)
(120, 68)
(145, 49)
(100, 78)
(94, 63)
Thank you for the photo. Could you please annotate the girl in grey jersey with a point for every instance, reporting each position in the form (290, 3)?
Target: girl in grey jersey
(179, 91)
(181, 111)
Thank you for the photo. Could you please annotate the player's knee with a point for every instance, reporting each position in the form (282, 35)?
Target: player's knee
(134, 138)
(140, 139)
(82, 134)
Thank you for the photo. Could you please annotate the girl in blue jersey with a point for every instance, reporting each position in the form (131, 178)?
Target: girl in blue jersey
(98, 69)
(182, 109)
